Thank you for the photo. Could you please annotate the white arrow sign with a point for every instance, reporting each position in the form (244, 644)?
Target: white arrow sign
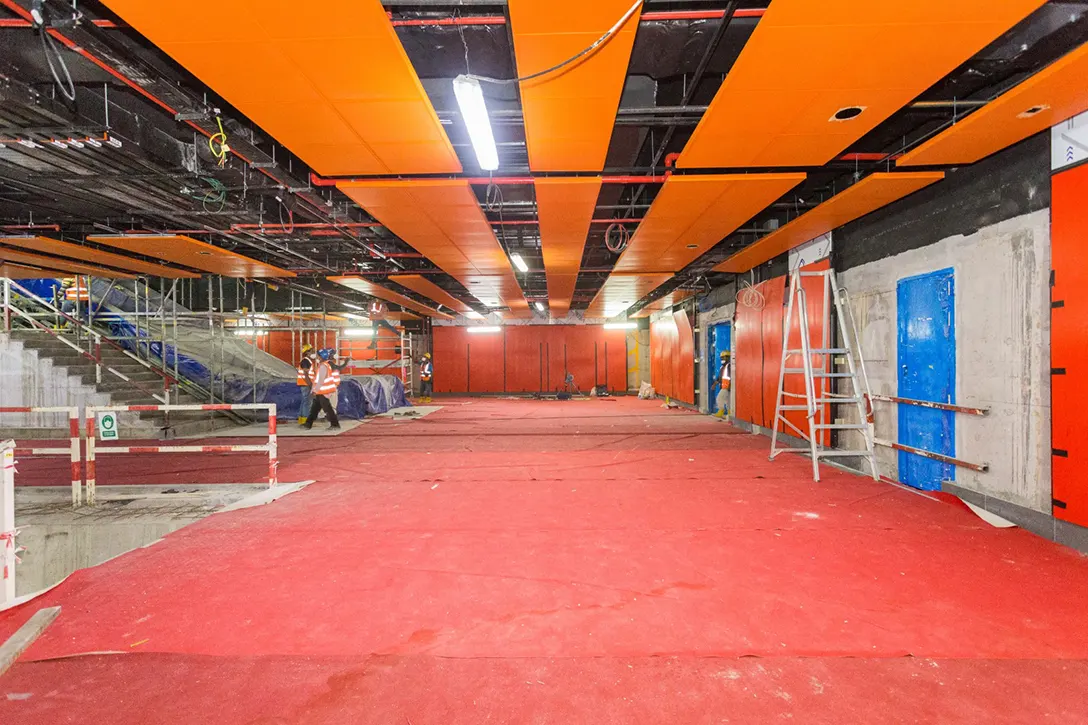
(1069, 142)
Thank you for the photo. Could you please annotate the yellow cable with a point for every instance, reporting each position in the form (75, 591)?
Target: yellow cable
(219, 153)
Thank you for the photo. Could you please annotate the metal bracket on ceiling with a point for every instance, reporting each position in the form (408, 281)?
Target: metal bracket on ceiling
(264, 165)
(191, 116)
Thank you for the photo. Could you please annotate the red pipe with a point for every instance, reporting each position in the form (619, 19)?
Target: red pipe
(53, 227)
(702, 14)
(485, 180)
(470, 20)
(531, 222)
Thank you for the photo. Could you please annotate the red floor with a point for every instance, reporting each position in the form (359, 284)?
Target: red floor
(576, 562)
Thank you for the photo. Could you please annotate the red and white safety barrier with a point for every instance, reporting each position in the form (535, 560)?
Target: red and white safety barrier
(7, 521)
(271, 447)
(73, 446)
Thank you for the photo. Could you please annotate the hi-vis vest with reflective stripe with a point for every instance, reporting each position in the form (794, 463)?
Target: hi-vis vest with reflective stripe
(426, 370)
(78, 291)
(336, 377)
(328, 382)
(300, 374)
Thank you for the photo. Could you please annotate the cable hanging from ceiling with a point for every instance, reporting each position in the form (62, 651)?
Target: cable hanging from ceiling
(594, 46)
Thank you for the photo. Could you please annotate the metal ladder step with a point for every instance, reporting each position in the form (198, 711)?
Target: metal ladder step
(801, 371)
(820, 351)
(835, 453)
(841, 426)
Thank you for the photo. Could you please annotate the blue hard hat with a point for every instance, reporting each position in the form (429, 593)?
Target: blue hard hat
(325, 353)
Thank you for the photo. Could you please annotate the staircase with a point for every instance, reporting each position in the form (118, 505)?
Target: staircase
(143, 384)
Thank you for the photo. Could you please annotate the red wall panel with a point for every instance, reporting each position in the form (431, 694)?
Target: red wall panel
(672, 357)
(528, 358)
(758, 345)
(1069, 344)
(684, 362)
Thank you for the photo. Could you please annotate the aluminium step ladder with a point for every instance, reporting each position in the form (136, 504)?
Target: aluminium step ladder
(821, 379)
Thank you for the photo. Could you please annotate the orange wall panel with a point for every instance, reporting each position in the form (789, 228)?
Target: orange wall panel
(1069, 344)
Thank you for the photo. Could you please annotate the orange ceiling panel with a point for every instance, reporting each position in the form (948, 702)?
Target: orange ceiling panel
(1059, 92)
(95, 256)
(331, 83)
(17, 271)
(672, 298)
(13, 256)
(565, 209)
(867, 195)
(807, 60)
(442, 219)
(360, 284)
(570, 114)
(192, 253)
(693, 213)
(620, 291)
(421, 285)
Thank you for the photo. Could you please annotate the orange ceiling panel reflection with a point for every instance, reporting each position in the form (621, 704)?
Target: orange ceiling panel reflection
(569, 114)
(1054, 94)
(808, 60)
(330, 82)
(193, 253)
(867, 195)
(421, 285)
(361, 284)
(565, 209)
(95, 256)
(442, 220)
(691, 214)
(620, 291)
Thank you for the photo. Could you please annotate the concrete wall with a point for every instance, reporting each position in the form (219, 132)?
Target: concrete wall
(1002, 350)
(29, 380)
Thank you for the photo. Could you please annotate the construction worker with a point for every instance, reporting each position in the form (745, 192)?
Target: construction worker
(323, 385)
(724, 383)
(305, 364)
(426, 378)
(337, 368)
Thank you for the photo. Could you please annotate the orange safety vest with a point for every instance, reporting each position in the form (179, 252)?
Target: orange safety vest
(300, 374)
(328, 385)
(725, 376)
(78, 291)
(336, 377)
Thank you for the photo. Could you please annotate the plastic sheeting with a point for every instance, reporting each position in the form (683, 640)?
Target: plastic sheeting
(231, 368)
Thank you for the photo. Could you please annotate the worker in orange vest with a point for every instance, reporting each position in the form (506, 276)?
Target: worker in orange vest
(305, 364)
(322, 386)
(725, 382)
(337, 367)
(426, 378)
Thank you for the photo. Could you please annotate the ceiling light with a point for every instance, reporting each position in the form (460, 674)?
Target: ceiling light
(845, 114)
(115, 142)
(353, 316)
(474, 315)
(353, 307)
(470, 99)
(620, 325)
(74, 142)
(58, 144)
(359, 332)
(519, 262)
(249, 333)
(29, 144)
(93, 142)
(485, 328)
(539, 306)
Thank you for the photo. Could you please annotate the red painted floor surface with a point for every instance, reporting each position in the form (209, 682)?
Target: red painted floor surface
(579, 562)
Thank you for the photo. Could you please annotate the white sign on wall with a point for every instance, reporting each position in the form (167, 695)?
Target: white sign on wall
(107, 426)
(811, 251)
(1069, 142)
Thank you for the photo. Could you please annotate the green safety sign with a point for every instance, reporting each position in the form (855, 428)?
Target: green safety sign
(107, 427)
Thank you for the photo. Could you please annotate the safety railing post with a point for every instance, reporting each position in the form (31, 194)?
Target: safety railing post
(273, 448)
(91, 472)
(7, 304)
(7, 520)
(77, 473)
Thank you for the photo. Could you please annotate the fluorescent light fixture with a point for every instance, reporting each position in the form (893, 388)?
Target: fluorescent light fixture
(470, 99)
(620, 325)
(539, 306)
(350, 306)
(519, 262)
(474, 315)
(58, 144)
(29, 144)
(249, 332)
(353, 316)
(115, 142)
(484, 328)
(93, 142)
(359, 332)
(74, 142)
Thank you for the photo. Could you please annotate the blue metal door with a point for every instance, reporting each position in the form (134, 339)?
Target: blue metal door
(717, 343)
(927, 371)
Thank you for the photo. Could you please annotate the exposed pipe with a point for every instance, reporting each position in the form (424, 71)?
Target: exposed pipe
(665, 15)
(51, 227)
(485, 180)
